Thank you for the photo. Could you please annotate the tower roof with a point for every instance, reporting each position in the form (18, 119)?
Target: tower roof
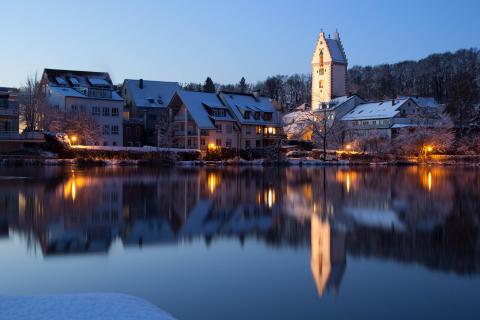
(333, 46)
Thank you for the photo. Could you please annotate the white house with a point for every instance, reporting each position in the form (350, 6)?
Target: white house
(382, 118)
(86, 91)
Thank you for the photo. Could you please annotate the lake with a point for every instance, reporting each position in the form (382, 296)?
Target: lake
(249, 243)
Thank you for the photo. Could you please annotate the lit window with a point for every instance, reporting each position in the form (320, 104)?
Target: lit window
(320, 84)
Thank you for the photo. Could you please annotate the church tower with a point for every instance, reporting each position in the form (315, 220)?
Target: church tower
(329, 70)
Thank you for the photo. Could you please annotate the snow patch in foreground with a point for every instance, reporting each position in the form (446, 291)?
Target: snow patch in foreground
(79, 306)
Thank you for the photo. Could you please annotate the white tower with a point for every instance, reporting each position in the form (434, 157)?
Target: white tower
(329, 70)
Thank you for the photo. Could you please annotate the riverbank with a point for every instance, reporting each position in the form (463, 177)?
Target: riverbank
(17, 161)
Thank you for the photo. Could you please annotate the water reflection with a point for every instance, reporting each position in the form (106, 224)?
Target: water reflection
(428, 216)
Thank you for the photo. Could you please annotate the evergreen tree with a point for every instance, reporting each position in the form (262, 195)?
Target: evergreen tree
(209, 86)
(242, 85)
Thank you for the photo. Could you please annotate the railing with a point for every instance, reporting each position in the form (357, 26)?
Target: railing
(181, 133)
(15, 136)
(6, 135)
(8, 111)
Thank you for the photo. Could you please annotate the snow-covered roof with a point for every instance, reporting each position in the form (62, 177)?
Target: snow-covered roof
(156, 94)
(336, 51)
(423, 101)
(71, 78)
(71, 92)
(195, 103)
(80, 306)
(375, 110)
(76, 82)
(403, 125)
(240, 103)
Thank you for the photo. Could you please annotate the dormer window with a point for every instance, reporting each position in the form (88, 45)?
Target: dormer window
(61, 81)
(246, 115)
(218, 113)
(256, 115)
(267, 116)
(74, 81)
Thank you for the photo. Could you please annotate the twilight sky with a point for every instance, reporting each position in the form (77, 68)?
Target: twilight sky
(180, 40)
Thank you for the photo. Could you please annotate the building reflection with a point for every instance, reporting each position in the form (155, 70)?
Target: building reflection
(427, 216)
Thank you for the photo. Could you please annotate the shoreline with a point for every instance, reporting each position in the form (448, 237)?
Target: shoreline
(13, 161)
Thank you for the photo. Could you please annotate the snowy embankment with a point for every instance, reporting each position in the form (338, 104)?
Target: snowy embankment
(79, 307)
(145, 149)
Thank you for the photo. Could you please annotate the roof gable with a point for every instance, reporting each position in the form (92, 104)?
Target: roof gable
(155, 94)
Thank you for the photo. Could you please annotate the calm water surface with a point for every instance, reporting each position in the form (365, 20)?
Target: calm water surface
(246, 243)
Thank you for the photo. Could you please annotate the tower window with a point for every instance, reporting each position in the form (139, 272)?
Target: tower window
(320, 84)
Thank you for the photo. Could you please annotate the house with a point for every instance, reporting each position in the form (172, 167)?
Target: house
(145, 100)
(9, 120)
(382, 118)
(200, 120)
(75, 92)
(260, 123)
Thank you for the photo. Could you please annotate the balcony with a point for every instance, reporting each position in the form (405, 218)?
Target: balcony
(181, 133)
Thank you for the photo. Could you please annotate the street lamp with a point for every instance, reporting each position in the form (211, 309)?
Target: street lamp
(73, 139)
(426, 150)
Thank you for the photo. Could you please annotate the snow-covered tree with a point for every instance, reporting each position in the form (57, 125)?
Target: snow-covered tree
(426, 137)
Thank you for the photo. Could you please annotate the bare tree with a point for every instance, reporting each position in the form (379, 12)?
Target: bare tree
(33, 104)
(164, 129)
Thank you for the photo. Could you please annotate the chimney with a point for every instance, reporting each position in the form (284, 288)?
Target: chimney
(256, 94)
(140, 83)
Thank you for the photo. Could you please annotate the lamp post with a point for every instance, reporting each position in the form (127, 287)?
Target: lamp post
(426, 150)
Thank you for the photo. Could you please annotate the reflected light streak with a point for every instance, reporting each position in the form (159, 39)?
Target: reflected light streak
(348, 182)
(269, 197)
(429, 181)
(213, 181)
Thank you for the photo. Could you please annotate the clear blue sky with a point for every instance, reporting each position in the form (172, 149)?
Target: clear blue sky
(189, 40)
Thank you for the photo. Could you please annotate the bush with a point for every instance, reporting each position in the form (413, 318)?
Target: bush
(220, 154)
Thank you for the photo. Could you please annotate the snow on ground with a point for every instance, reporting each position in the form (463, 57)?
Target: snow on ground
(79, 307)
(134, 149)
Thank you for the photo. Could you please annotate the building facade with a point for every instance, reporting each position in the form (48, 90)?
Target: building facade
(329, 70)
(91, 93)
(9, 120)
(259, 122)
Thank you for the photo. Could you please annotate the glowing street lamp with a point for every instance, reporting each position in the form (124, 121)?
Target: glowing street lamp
(73, 139)
(427, 149)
